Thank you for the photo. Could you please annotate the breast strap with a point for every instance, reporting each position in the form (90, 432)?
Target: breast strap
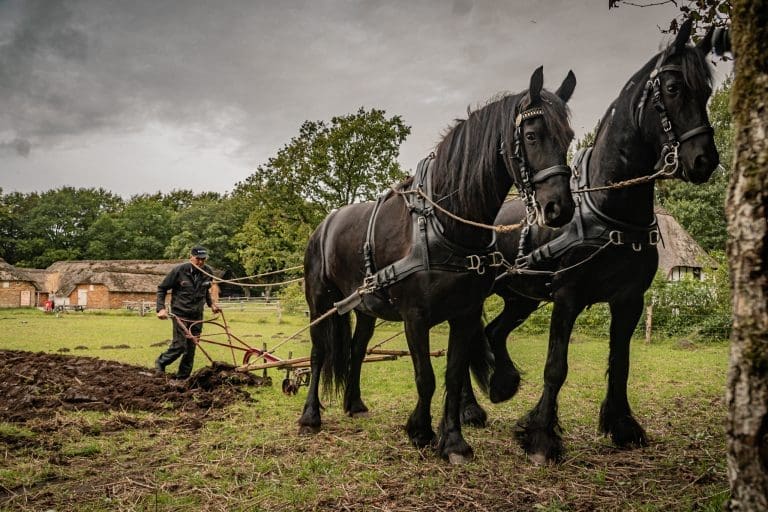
(590, 226)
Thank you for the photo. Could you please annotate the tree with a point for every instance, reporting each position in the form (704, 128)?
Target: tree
(326, 166)
(352, 159)
(56, 223)
(13, 211)
(703, 13)
(213, 222)
(747, 212)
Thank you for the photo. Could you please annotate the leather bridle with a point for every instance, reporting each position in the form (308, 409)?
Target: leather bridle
(519, 170)
(669, 161)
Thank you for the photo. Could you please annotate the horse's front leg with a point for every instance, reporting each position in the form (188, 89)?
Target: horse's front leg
(419, 426)
(539, 431)
(353, 403)
(505, 380)
(462, 337)
(616, 417)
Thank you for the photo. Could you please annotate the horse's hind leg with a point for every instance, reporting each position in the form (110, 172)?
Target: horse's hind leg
(309, 422)
(353, 403)
(505, 380)
(471, 413)
(326, 335)
(539, 431)
(616, 417)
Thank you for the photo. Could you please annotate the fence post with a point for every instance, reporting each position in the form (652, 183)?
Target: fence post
(648, 323)
(279, 312)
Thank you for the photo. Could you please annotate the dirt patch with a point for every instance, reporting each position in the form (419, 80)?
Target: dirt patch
(36, 385)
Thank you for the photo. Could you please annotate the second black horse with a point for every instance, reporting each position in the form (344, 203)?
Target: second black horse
(657, 128)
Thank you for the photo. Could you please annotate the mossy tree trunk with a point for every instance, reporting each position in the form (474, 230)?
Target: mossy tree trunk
(747, 206)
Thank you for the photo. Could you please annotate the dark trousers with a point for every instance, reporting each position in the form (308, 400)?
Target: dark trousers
(180, 346)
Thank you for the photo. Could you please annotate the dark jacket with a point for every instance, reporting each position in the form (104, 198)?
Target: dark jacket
(190, 291)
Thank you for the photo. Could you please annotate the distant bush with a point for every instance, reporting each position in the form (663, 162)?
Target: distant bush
(292, 298)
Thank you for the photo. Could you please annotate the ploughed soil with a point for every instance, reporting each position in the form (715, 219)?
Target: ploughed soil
(37, 385)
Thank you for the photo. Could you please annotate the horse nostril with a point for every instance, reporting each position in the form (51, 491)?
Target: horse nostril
(701, 163)
(551, 212)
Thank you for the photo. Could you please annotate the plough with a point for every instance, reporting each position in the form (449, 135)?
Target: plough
(297, 369)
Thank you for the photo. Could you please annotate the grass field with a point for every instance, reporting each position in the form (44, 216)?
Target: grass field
(249, 456)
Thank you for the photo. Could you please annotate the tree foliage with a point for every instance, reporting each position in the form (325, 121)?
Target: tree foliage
(700, 209)
(328, 165)
(703, 13)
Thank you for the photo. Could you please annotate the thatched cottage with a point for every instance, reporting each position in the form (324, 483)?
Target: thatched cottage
(106, 284)
(17, 289)
(679, 254)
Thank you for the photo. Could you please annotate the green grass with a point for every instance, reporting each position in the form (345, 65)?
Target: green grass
(249, 456)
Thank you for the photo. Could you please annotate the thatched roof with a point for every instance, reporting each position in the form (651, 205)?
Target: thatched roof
(40, 276)
(137, 276)
(678, 248)
(10, 273)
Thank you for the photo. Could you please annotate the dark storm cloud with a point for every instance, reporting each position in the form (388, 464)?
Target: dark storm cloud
(240, 76)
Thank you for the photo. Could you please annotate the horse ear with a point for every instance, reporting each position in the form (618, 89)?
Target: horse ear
(683, 35)
(565, 91)
(705, 45)
(537, 82)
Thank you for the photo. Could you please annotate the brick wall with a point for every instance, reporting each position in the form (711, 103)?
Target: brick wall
(11, 292)
(96, 296)
(116, 298)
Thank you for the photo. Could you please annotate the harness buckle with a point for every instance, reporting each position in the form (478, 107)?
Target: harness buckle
(637, 246)
(654, 237)
(476, 263)
(666, 125)
(616, 237)
(496, 259)
(369, 284)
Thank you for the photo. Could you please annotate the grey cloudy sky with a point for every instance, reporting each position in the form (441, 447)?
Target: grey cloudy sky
(144, 96)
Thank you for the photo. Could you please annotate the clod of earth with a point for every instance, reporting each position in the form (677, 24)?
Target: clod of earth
(35, 385)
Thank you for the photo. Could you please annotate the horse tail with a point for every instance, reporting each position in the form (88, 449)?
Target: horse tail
(482, 362)
(332, 337)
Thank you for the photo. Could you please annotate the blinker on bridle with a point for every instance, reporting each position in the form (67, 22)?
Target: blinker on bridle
(669, 162)
(521, 175)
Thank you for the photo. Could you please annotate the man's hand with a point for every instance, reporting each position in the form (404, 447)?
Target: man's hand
(215, 308)
(162, 314)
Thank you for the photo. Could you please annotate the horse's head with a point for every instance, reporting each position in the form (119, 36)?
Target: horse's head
(672, 111)
(538, 157)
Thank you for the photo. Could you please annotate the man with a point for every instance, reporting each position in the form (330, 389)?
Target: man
(190, 291)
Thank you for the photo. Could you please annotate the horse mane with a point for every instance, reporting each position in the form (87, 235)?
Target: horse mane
(468, 157)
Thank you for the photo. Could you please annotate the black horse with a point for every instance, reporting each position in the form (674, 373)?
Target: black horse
(657, 128)
(405, 258)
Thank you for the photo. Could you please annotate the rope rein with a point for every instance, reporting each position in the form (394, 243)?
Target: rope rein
(499, 229)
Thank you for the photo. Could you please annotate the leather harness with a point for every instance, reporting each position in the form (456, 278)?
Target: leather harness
(589, 225)
(430, 249)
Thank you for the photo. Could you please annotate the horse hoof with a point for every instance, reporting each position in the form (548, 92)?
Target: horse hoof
(359, 414)
(458, 458)
(474, 416)
(538, 459)
(308, 430)
(503, 386)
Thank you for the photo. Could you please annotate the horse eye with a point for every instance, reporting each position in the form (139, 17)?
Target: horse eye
(673, 88)
(530, 136)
